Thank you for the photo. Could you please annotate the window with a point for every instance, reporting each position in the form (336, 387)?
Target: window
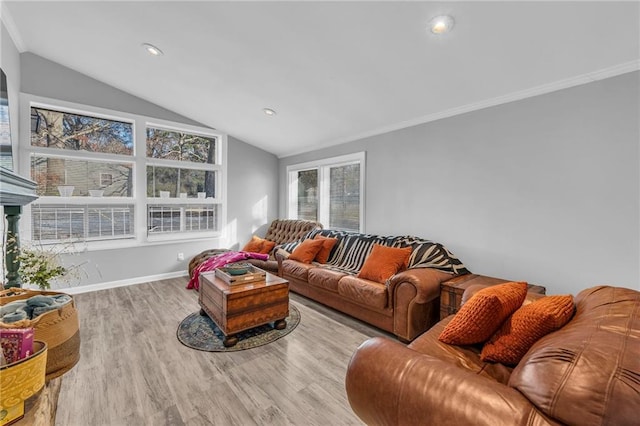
(52, 223)
(106, 179)
(183, 165)
(69, 155)
(104, 175)
(182, 218)
(329, 191)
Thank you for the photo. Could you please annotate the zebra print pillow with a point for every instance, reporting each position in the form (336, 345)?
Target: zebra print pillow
(351, 250)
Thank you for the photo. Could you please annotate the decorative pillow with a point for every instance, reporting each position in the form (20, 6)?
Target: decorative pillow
(383, 262)
(528, 324)
(267, 246)
(484, 313)
(325, 251)
(255, 245)
(306, 251)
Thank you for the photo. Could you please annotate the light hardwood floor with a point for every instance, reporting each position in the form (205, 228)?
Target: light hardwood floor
(134, 371)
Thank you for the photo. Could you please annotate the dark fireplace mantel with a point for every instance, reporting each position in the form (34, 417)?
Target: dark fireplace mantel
(15, 192)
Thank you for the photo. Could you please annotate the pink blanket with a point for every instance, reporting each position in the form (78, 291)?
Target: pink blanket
(219, 261)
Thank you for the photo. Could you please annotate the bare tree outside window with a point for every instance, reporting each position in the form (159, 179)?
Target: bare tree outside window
(308, 194)
(184, 147)
(344, 201)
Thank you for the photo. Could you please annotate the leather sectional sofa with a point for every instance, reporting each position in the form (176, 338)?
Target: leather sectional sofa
(280, 231)
(586, 373)
(406, 305)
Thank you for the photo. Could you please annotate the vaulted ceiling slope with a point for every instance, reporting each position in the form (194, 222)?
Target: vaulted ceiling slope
(332, 71)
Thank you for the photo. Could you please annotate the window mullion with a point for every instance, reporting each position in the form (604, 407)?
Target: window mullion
(143, 217)
(293, 195)
(324, 183)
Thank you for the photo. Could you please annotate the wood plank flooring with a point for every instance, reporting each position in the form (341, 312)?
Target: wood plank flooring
(134, 371)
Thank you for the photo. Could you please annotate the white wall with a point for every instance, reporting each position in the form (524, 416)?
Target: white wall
(252, 179)
(544, 189)
(252, 194)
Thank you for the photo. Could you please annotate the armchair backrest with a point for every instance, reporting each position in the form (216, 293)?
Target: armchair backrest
(588, 372)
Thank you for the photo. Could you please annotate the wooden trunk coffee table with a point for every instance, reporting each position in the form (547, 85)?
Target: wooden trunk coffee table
(238, 307)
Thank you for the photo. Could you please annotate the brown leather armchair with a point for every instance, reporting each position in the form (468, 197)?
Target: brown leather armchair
(587, 373)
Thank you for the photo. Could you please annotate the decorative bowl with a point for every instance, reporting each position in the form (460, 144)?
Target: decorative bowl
(237, 268)
(66, 190)
(96, 192)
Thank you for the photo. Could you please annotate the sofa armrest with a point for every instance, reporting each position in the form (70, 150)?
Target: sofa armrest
(426, 282)
(280, 255)
(414, 296)
(390, 384)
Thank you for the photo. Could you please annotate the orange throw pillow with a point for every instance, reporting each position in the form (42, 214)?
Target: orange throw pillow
(525, 327)
(306, 251)
(267, 246)
(383, 262)
(325, 251)
(484, 313)
(255, 245)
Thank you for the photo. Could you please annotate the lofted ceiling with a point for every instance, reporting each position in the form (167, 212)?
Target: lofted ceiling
(333, 71)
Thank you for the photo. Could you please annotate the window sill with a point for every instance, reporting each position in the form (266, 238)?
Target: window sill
(155, 240)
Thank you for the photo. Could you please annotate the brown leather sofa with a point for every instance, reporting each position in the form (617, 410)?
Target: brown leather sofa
(586, 373)
(280, 231)
(406, 305)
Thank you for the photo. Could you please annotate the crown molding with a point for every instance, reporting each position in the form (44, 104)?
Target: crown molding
(12, 29)
(511, 97)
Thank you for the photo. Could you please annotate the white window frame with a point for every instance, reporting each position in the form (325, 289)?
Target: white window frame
(323, 167)
(139, 194)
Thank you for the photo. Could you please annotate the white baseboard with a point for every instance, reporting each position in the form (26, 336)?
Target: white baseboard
(121, 283)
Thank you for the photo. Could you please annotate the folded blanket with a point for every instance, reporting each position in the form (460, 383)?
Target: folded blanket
(220, 260)
(32, 307)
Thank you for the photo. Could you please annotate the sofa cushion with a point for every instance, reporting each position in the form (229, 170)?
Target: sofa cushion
(306, 251)
(296, 269)
(325, 278)
(254, 245)
(352, 248)
(362, 291)
(383, 262)
(327, 246)
(259, 245)
(267, 246)
(467, 357)
(484, 313)
(588, 372)
(525, 327)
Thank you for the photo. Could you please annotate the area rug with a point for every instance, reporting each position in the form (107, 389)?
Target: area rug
(200, 332)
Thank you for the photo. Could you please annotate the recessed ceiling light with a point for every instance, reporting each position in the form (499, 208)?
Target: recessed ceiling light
(152, 50)
(441, 24)
(269, 111)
